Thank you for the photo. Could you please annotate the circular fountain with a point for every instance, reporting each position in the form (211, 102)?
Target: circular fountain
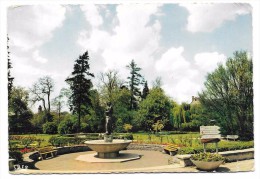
(107, 149)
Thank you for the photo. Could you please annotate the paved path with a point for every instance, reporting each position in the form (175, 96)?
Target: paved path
(151, 161)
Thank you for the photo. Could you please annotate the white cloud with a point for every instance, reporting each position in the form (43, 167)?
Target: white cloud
(182, 90)
(92, 15)
(178, 74)
(26, 74)
(182, 78)
(137, 37)
(207, 17)
(134, 37)
(38, 58)
(209, 61)
(94, 40)
(31, 26)
(171, 60)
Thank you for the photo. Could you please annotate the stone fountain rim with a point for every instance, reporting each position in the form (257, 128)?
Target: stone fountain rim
(115, 141)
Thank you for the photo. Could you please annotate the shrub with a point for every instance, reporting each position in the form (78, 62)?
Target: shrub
(123, 136)
(194, 125)
(119, 127)
(158, 126)
(223, 146)
(207, 157)
(67, 126)
(171, 132)
(63, 141)
(17, 155)
(27, 140)
(128, 127)
(50, 128)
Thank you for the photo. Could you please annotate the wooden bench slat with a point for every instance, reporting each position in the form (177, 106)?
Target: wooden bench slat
(47, 150)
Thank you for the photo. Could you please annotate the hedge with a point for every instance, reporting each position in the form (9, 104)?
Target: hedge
(221, 147)
(64, 141)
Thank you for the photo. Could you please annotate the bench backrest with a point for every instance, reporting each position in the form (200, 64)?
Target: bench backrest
(45, 149)
(232, 136)
(210, 132)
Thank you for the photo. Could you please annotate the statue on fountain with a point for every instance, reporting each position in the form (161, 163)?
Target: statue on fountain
(109, 112)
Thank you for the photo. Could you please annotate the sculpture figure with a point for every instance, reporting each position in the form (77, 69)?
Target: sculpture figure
(109, 112)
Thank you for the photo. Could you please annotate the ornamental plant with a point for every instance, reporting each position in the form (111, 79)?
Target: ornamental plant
(207, 157)
(25, 150)
(128, 127)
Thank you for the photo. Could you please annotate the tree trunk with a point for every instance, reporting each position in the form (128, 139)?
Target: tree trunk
(59, 111)
(44, 106)
(49, 103)
(79, 115)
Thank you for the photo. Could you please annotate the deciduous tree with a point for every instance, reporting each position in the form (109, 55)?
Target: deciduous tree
(19, 113)
(41, 91)
(156, 106)
(228, 95)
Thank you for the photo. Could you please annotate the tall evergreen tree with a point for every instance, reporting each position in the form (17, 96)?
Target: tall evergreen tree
(145, 90)
(9, 66)
(135, 79)
(80, 85)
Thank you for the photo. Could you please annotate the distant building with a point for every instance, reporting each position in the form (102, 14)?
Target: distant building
(195, 100)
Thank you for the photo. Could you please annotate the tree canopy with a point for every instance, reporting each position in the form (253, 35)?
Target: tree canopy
(156, 106)
(229, 95)
(135, 79)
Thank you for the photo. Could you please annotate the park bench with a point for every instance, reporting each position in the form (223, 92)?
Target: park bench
(233, 137)
(170, 149)
(47, 151)
(210, 134)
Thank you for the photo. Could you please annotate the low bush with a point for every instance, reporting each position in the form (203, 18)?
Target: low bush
(194, 125)
(50, 128)
(17, 155)
(222, 146)
(67, 126)
(65, 141)
(123, 136)
(172, 132)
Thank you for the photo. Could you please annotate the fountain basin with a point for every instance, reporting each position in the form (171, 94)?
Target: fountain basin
(107, 149)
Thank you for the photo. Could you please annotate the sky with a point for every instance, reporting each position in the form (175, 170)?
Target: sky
(180, 43)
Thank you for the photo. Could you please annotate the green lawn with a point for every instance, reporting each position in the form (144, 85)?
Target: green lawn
(164, 139)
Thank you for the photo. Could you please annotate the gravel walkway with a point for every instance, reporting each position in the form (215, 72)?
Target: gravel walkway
(150, 161)
(68, 162)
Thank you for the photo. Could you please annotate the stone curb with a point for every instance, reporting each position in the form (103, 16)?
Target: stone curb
(231, 156)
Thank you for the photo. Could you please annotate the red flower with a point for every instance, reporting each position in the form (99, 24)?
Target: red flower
(25, 150)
